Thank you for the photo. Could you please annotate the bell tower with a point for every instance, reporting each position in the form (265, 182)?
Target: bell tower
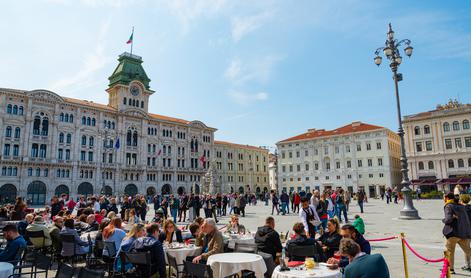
(129, 85)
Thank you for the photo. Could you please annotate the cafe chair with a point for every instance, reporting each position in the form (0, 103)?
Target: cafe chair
(65, 271)
(302, 252)
(41, 264)
(69, 243)
(173, 266)
(269, 263)
(110, 258)
(245, 248)
(142, 261)
(197, 270)
(88, 273)
(38, 236)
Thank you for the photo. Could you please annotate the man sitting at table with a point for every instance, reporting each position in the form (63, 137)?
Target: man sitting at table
(267, 239)
(348, 231)
(210, 239)
(92, 224)
(23, 224)
(234, 226)
(151, 243)
(54, 231)
(14, 242)
(301, 239)
(362, 264)
(39, 225)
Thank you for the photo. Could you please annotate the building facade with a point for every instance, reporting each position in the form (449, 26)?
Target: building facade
(53, 144)
(241, 168)
(354, 156)
(438, 146)
(273, 171)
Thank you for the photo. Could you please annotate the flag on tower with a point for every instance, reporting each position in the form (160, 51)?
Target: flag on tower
(203, 159)
(131, 37)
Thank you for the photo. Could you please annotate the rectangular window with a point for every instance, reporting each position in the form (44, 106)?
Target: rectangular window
(358, 147)
(282, 154)
(306, 153)
(327, 166)
(380, 162)
(448, 145)
(297, 154)
(326, 150)
(360, 163)
(349, 164)
(316, 166)
(307, 167)
(67, 154)
(16, 150)
(6, 150)
(290, 154)
(467, 142)
(458, 144)
(370, 162)
(418, 146)
(428, 145)
(283, 168)
(337, 164)
(337, 150)
(378, 145)
(347, 148)
(368, 146)
(82, 155)
(291, 168)
(298, 168)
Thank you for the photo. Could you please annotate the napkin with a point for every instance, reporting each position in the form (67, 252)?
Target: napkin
(295, 263)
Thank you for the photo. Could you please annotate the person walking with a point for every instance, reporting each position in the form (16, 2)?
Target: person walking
(275, 203)
(342, 208)
(296, 202)
(457, 229)
(242, 204)
(361, 199)
(284, 198)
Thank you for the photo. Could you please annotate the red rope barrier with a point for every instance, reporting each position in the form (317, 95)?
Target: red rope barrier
(382, 239)
(446, 264)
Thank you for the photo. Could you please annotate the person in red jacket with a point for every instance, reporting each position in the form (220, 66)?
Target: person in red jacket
(296, 201)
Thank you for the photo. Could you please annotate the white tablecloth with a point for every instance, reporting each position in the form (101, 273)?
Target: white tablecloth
(180, 254)
(241, 239)
(225, 264)
(319, 270)
(6, 269)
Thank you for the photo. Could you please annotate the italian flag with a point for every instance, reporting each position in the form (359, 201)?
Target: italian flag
(130, 38)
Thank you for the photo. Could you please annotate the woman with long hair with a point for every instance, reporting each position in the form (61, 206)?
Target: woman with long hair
(19, 209)
(170, 233)
(137, 231)
(331, 238)
(113, 233)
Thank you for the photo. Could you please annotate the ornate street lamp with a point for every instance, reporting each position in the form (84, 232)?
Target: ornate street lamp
(392, 53)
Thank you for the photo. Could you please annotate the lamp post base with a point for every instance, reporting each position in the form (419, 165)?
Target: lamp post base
(408, 212)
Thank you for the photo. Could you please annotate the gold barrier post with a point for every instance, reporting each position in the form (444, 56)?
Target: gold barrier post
(404, 256)
(447, 256)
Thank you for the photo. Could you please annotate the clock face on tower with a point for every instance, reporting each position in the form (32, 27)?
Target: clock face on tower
(134, 89)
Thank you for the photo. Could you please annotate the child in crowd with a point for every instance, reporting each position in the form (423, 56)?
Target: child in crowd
(359, 224)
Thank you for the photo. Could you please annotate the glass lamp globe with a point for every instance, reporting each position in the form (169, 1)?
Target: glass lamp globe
(378, 60)
(387, 51)
(408, 50)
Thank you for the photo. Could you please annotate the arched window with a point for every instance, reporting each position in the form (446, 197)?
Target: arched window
(426, 129)
(69, 138)
(8, 131)
(15, 110)
(84, 140)
(417, 130)
(20, 110)
(469, 162)
(89, 121)
(71, 118)
(196, 145)
(93, 122)
(30, 171)
(9, 108)
(61, 117)
(15, 171)
(421, 165)
(446, 127)
(112, 125)
(460, 163)
(34, 150)
(430, 165)
(38, 172)
(451, 163)
(45, 126)
(129, 138)
(36, 125)
(134, 138)
(142, 104)
(456, 125)
(91, 141)
(17, 132)
(465, 124)
(124, 101)
(84, 120)
(66, 118)
(61, 137)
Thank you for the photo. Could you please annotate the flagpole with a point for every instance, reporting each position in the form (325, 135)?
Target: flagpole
(132, 41)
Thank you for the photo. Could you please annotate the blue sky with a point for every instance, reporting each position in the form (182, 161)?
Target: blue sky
(259, 71)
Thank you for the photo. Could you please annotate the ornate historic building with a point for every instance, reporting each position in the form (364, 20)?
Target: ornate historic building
(241, 168)
(53, 144)
(354, 156)
(438, 146)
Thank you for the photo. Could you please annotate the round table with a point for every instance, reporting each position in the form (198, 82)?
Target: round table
(92, 234)
(319, 270)
(225, 264)
(6, 269)
(180, 254)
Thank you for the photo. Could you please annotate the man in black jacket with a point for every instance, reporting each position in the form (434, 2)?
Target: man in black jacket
(267, 239)
(457, 229)
(151, 243)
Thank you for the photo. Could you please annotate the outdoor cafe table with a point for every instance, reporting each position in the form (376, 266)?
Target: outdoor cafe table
(181, 252)
(225, 264)
(84, 236)
(6, 269)
(318, 271)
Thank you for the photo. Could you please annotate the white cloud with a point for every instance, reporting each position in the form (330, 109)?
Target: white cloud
(245, 98)
(241, 26)
(259, 70)
(86, 76)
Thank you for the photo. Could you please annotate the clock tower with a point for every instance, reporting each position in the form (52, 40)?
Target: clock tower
(129, 85)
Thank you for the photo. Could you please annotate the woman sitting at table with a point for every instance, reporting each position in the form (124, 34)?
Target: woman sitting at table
(133, 219)
(234, 227)
(170, 233)
(300, 239)
(331, 238)
(137, 231)
(113, 233)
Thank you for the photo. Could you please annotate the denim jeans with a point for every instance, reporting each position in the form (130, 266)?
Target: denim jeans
(284, 206)
(174, 213)
(342, 208)
(361, 206)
